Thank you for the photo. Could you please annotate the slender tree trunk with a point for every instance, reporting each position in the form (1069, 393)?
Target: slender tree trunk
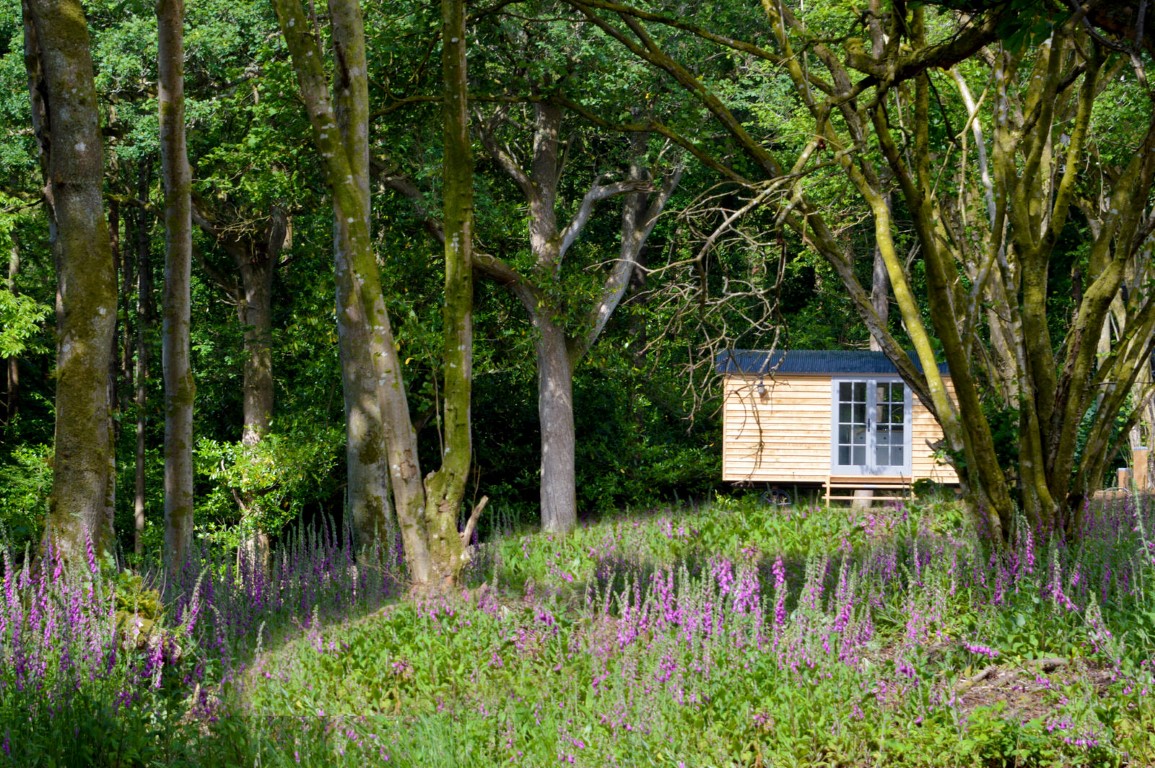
(445, 488)
(11, 367)
(126, 259)
(61, 78)
(179, 389)
(880, 292)
(114, 367)
(144, 315)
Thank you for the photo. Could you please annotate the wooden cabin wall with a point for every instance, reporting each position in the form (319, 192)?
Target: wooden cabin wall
(924, 430)
(783, 436)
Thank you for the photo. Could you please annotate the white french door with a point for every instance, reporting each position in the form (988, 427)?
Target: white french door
(870, 427)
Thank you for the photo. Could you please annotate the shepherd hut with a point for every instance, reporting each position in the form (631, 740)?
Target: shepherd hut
(840, 422)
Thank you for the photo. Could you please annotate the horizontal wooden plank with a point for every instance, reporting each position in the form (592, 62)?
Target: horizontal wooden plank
(787, 440)
(863, 480)
(784, 466)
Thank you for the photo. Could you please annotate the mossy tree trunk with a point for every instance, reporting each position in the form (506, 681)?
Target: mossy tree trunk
(445, 488)
(66, 120)
(382, 443)
(179, 388)
(369, 368)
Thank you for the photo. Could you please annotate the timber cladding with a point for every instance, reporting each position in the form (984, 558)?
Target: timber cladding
(778, 427)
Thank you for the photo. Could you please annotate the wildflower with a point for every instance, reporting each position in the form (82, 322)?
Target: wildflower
(779, 571)
(1029, 554)
(981, 650)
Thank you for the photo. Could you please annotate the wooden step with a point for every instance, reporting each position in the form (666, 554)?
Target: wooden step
(894, 487)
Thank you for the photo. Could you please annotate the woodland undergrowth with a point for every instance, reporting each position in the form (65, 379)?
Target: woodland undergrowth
(731, 634)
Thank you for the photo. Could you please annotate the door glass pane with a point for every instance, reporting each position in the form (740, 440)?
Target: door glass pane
(897, 441)
(890, 431)
(852, 423)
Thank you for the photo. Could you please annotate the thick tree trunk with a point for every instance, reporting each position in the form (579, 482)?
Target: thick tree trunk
(555, 413)
(61, 79)
(255, 252)
(366, 340)
(557, 352)
(380, 434)
(179, 389)
(255, 312)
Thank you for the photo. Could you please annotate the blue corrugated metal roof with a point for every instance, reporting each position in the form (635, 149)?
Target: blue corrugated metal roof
(809, 361)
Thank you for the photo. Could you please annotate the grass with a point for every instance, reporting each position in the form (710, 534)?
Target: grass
(732, 634)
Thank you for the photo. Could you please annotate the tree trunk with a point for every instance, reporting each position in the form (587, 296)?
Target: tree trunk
(179, 389)
(555, 412)
(557, 352)
(144, 320)
(380, 431)
(11, 367)
(255, 251)
(60, 72)
(114, 367)
(255, 312)
(366, 340)
(879, 292)
(381, 443)
(445, 488)
(125, 258)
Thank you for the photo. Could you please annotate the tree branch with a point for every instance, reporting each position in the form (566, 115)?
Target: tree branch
(594, 195)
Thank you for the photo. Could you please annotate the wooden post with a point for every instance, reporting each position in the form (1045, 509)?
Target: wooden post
(1139, 468)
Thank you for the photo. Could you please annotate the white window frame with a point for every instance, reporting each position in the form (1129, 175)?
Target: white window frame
(869, 469)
